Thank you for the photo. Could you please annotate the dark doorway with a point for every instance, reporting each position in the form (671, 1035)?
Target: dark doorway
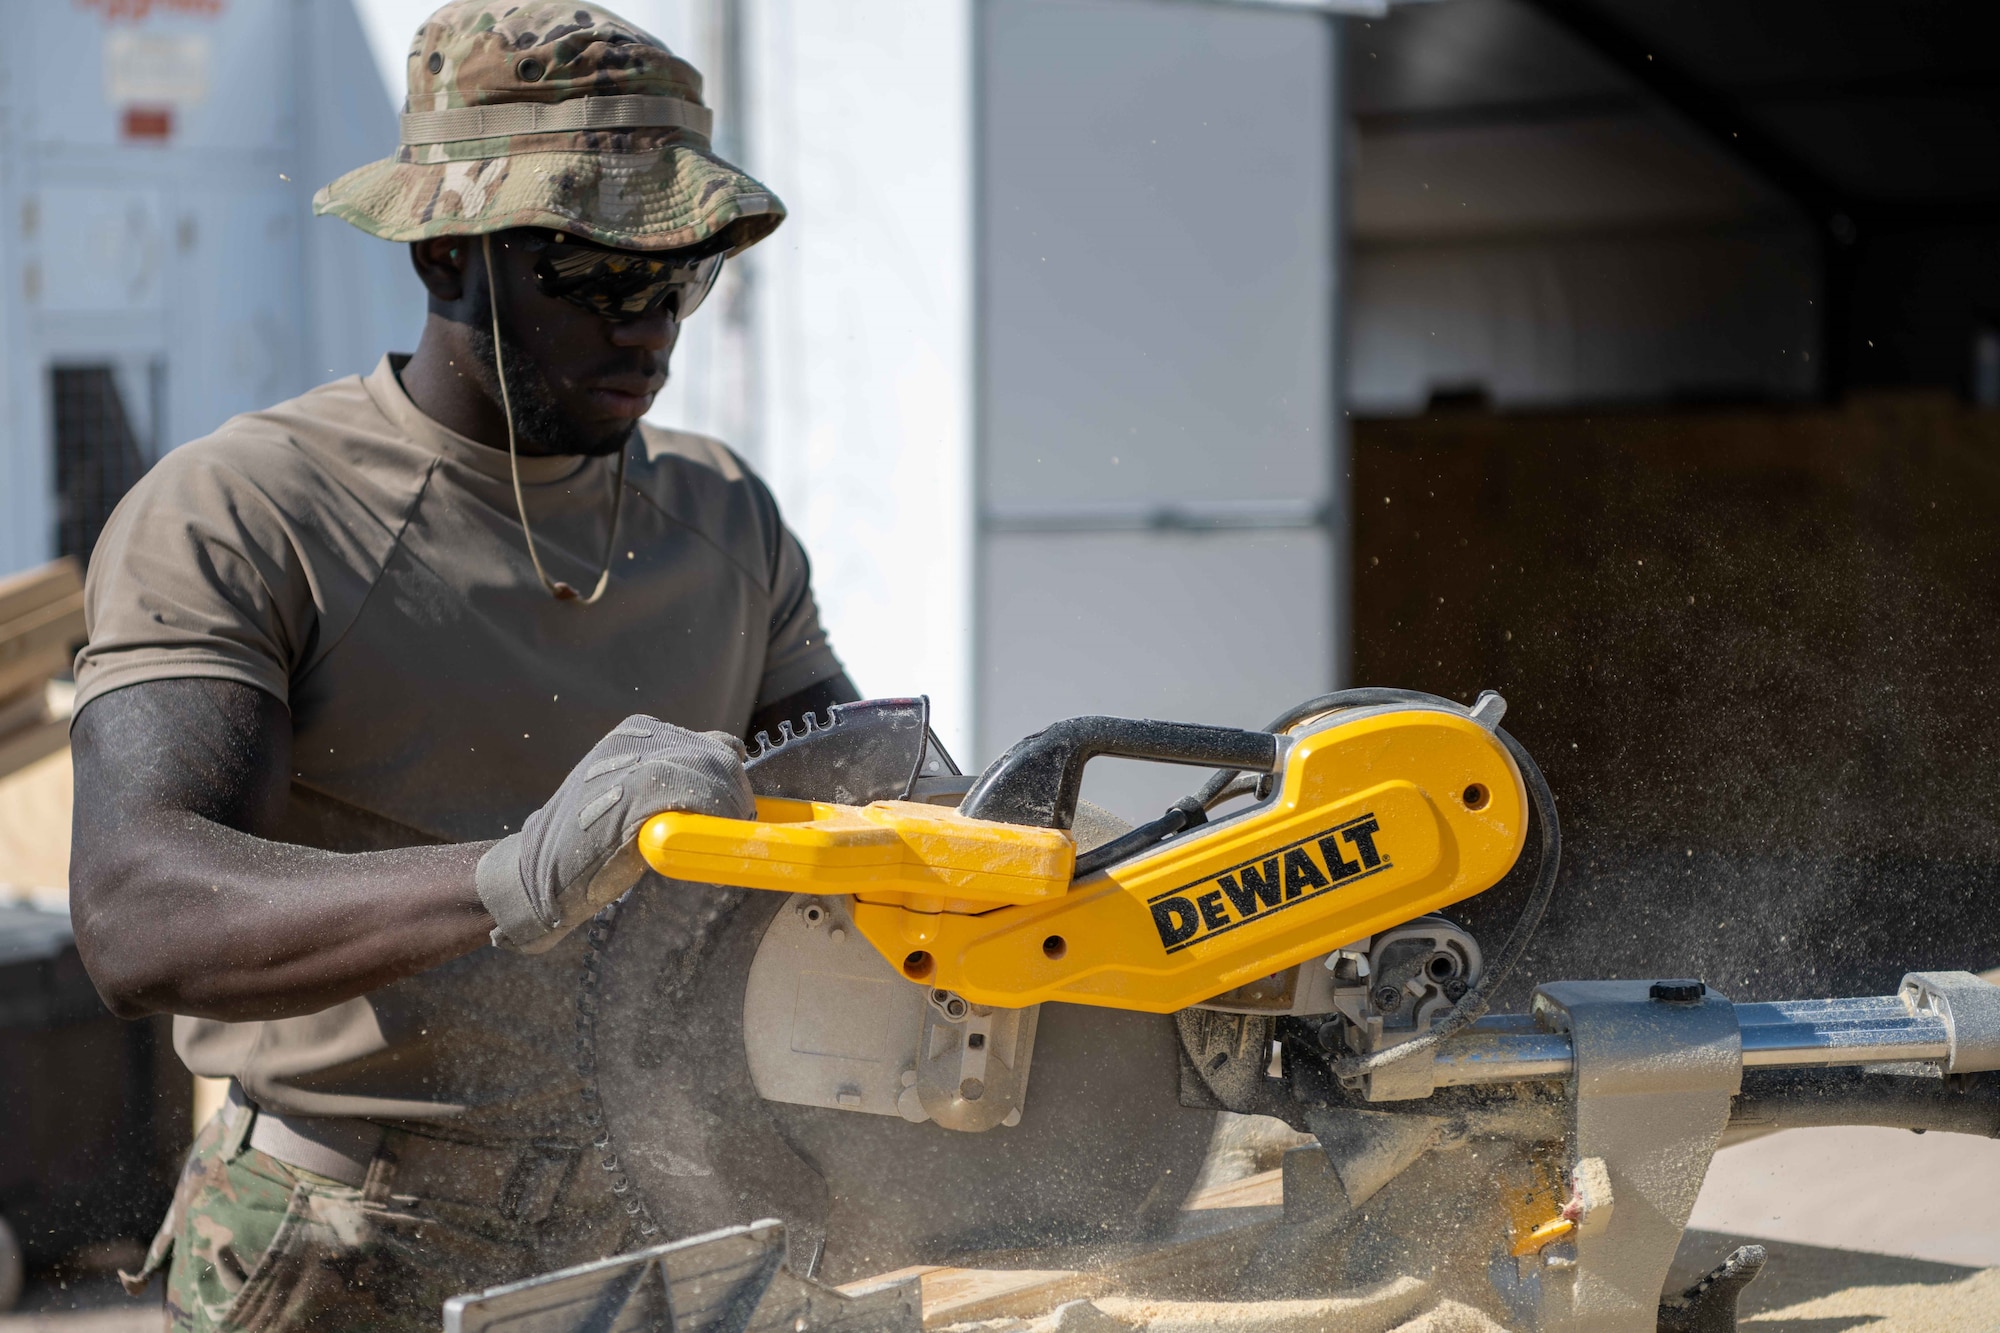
(98, 453)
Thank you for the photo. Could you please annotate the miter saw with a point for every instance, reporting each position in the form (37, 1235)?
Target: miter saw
(924, 1017)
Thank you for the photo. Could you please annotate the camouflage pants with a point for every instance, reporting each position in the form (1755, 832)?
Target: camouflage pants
(251, 1243)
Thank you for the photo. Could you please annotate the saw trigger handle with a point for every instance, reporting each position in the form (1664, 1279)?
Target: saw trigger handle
(1036, 783)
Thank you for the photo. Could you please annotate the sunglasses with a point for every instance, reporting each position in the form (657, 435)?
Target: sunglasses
(621, 285)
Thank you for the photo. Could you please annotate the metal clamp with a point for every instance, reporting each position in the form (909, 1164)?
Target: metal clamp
(1970, 1009)
(1650, 1095)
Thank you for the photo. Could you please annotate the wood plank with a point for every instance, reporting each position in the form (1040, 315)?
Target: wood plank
(33, 589)
(37, 740)
(954, 1295)
(893, 1275)
(1377, 1309)
(37, 644)
(959, 1295)
(1266, 1189)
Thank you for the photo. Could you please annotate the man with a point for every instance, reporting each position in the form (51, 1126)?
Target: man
(343, 651)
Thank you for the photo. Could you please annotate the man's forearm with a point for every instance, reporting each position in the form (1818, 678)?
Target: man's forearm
(179, 906)
(191, 917)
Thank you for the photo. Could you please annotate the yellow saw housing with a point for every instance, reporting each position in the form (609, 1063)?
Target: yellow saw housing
(1378, 816)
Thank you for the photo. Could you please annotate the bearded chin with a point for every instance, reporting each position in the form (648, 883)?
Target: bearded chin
(538, 420)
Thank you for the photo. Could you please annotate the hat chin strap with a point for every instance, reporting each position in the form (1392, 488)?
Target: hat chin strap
(558, 589)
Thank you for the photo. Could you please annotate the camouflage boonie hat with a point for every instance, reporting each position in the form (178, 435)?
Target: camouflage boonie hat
(552, 115)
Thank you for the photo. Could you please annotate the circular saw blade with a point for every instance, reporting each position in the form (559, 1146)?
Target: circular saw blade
(1104, 1152)
(685, 1141)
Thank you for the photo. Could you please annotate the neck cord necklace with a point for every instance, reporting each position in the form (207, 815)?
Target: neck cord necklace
(559, 590)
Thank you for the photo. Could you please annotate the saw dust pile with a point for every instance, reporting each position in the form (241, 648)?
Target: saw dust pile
(1971, 1305)
(1403, 1306)
(1803, 1287)
(1968, 1305)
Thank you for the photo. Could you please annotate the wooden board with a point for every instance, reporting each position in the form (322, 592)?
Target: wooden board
(960, 1295)
(1266, 1189)
(41, 622)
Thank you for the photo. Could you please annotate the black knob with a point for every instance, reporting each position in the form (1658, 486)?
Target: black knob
(1679, 992)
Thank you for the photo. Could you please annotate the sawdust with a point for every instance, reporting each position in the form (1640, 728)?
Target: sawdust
(1971, 1305)
(1373, 1310)
(1847, 1187)
(1407, 1305)
(1402, 1305)
(1450, 1317)
(1804, 1289)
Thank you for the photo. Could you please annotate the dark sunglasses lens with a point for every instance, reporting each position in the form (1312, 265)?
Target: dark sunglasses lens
(696, 289)
(620, 286)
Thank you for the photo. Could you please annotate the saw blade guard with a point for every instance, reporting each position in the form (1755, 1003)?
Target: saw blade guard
(1372, 817)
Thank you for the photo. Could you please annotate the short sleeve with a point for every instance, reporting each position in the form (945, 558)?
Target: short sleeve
(197, 575)
(798, 655)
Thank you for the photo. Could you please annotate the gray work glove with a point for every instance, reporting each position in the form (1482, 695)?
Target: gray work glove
(577, 853)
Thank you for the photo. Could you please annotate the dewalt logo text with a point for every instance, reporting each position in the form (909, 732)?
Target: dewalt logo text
(1318, 864)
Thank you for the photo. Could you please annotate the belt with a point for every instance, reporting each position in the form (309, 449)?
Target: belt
(520, 1183)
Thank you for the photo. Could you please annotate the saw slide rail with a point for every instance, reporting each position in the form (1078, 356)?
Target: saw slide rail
(1948, 1019)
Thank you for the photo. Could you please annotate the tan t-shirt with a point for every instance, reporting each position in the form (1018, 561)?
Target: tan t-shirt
(363, 564)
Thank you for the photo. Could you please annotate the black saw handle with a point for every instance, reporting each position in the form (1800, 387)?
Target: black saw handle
(1037, 781)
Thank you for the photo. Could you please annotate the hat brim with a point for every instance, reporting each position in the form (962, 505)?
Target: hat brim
(662, 197)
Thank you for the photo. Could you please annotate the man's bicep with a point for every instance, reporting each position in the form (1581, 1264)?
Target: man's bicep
(218, 749)
(199, 574)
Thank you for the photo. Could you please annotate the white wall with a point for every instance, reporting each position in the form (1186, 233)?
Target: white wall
(861, 122)
(1161, 473)
(361, 295)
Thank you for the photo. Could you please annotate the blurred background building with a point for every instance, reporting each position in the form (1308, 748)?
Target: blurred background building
(1639, 358)
(1054, 362)
(163, 273)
